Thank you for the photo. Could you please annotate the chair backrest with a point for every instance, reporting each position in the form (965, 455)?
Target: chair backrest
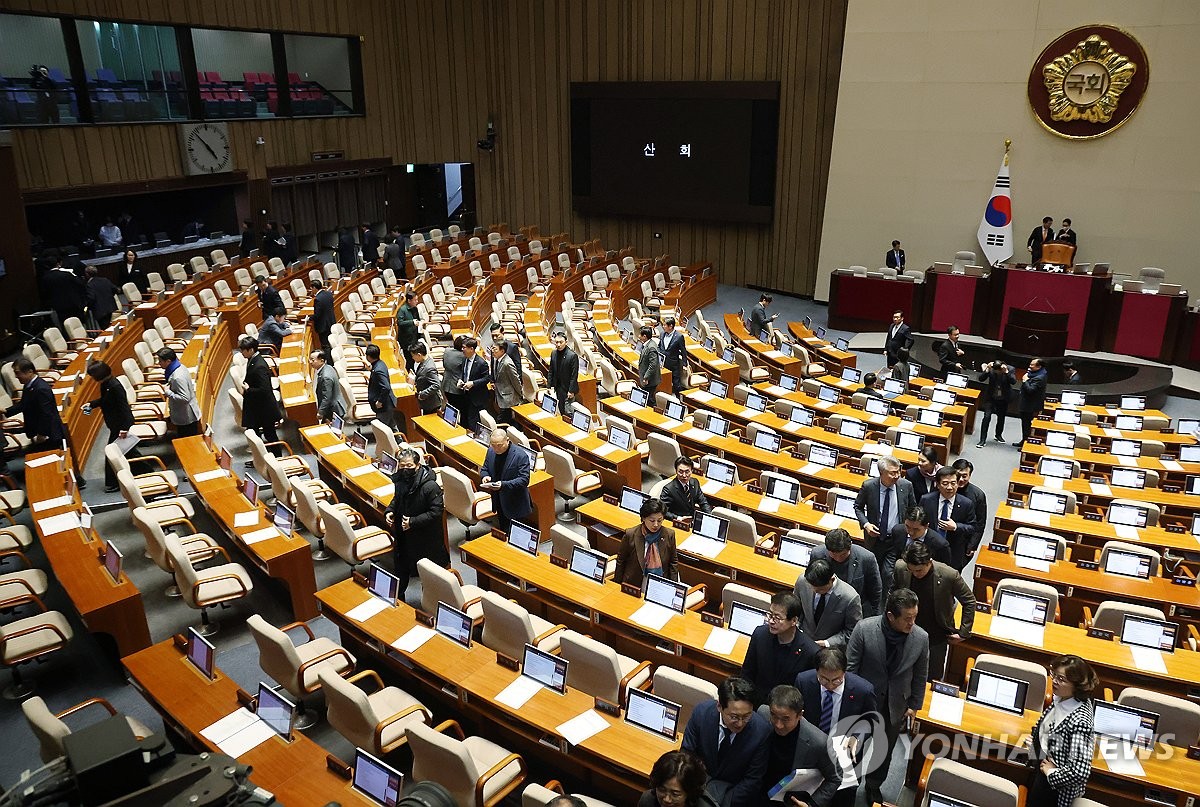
(1070, 496)
(350, 711)
(1060, 543)
(277, 654)
(742, 529)
(1142, 551)
(385, 439)
(181, 564)
(686, 690)
(129, 489)
(734, 592)
(663, 452)
(1111, 614)
(438, 585)
(459, 494)
(339, 533)
(1029, 587)
(561, 466)
(47, 727)
(306, 510)
(1178, 719)
(967, 783)
(1152, 510)
(1022, 670)
(507, 627)
(595, 668)
(445, 760)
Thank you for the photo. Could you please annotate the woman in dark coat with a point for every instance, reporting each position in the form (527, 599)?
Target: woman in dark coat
(118, 415)
(415, 516)
(260, 411)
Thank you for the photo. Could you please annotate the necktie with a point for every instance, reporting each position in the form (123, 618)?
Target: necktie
(945, 509)
(885, 510)
(819, 609)
(827, 711)
(726, 743)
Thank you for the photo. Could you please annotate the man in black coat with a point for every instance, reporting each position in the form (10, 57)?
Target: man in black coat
(249, 239)
(998, 382)
(965, 468)
(415, 516)
(899, 335)
(118, 416)
(954, 515)
(674, 354)
(474, 385)
(63, 291)
(290, 250)
(37, 404)
(370, 245)
(272, 246)
(322, 315)
(1038, 238)
(260, 410)
(895, 257)
(949, 353)
(268, 298)
(380, 395)
(1033, 397)
(101, 298)
(915, 528)
(682, 496)
(563, 377)
(347, 251)
(778, 650)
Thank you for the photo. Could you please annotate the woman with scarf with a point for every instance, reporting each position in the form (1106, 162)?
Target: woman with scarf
(647, 548)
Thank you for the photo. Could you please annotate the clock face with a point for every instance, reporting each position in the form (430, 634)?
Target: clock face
(206, 148)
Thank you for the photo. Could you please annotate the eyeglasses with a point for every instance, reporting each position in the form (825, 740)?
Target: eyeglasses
(1058, 678)
(832, 683)
(664, 794)
(731, 717)
(773, 618)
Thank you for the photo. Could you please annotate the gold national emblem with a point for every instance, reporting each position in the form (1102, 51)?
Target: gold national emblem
(1086, 83)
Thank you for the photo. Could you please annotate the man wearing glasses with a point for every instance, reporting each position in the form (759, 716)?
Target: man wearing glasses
(779, 650)
(831, 695)
(731, 739)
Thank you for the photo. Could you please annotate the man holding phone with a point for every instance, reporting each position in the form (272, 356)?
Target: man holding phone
(505, 475)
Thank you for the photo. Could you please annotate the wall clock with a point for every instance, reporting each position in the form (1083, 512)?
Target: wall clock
(205, 148)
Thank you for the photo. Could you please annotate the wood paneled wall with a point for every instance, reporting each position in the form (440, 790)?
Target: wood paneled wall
(435, 70)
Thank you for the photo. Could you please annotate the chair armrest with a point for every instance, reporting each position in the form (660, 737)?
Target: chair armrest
(286, 447)
(19, 555)
(499, 795)
(390, 719)
(634, 673)
(538, 639)
(1087, 617)
(990, 594)
(79, 707)
(1193, 638)
(199, 583)
(699, 587)
(303, 625)
(363, 674)
(450, 724)
(151, 459)
(923, 781)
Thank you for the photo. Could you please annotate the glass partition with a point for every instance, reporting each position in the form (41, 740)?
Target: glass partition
(236, 72)
(319, 75)
(35, 83)
(132, 71)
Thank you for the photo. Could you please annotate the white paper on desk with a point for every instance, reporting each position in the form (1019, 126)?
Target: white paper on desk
(1017, 631)
(246, 519)
(296, 400)
(317, 430)
(1080, 429)
(749, 413)
(368, 609)
(1120, 757)
(609, 332)
(936, 407)
(1112, 412)
(625, 405)
(1053, 482)
(335, 448)
(383, 490)
(52, 525)
(291, 377)
(228, 726)
(811, 469)
(703, 396)
(1147, 659)
(1171, 465)
(248, 738)
(416, 636)
(769, 505)
(459, 440)
(878, 418)
(46, 504)
(830, 521)
(1111, 432)
(216, 473)
(1061, 452)
(720, 641)
(1022, 562)
(773, 354)
(945, 709)
(651, 616)
(1126, 532)
(696, 434)
(1035, 517)
(261, 535)
(46, 460)
(604, 450)
(670, 424)
(711, 487)
(699, 545)
(1100, 489)
(541, 414)
(778, 392)
(519, 692)
(579, 728)
(361, 470)
(1127, 462)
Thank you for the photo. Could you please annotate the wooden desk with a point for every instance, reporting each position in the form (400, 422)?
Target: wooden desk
(828, 354)
(1170, 472)
(1085, 532)
(453, 446)
(289, 560)
(622, 355)
(1104, 435)
(866, 303)
(713, 365)
(617, 469)
(954, 417)
(1097, 496)
(189, 703)
(115, 610)
(763, 353)
(1107, 414)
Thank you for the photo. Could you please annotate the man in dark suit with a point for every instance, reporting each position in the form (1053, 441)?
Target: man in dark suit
(892, 653)
(347, 251)
(513, 350)
(260, 410)
(682, 496)
(268, 298)
(894, 258)
(1038, 238)
(1065, 234)
(505, 475)
(249, 239)
(954, 515)
(880, 505)
(949, 353)
(899, 335)
(915, 529)
(563, 376)
(833, 699)
(965, 468)
(938, 588)
(674, 354)
(452, 367)
(854, 564)
(380, 395)
(474, 386)
(795, 745)
(325, 387)
(322, 316)
(289, 252)
(63, 291)
(830, 607)
(998, 381)
(649, 362)
(425, 380)
(272, 244)
(778, 650)
(101, 297)
(370, 245)
(731, 739)
(1032, 398)
(757, 323)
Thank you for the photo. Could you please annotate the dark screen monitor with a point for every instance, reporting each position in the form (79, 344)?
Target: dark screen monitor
(820, 332)
(1191, 484)
(378, 781)
(201, 653)
(275, 710)
(454, 624)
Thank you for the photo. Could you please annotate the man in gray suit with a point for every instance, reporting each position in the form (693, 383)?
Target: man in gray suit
(892, 653)
(880, 505)
(426, 381)
(181, 394)
(506, 382)
(797, 745)
(649, 363)
(831, 607)
(326, 387)
(452, 367)
(856, 566)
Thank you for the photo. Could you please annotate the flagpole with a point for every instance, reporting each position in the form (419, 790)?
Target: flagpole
(1007, 146)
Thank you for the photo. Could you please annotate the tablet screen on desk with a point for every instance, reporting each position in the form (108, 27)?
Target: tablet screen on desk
(910, 441)
(822, 455)
(709, 344)
(1125, 723)
(664, 592)
(1036, 547)
(854, 429)
(383, 584)
(1025, 607)
(112, 561)
(768, 441)
(789, 382)
(1146, 632)
(1127, 515)
(785, 490)
(843, 506)
(1126, 448)
(387, 464)
(756, 402)
(589, 563)
(1060, 439)
(336, 423)
(547, 669)
(820, 332)
(632, 500)
(1189, 453)
(652, 713)
(720, 471)
(450, 415)
(376, 780)
(201, 653)
(675, 410)
(358, 442)
(284, 519)
(727, 356)
(549, 404)
(794, 551)
(454, 624)
(943, 396)
(801, 416)
(524, 537)
(1046, 502)
(1059, 469)
(225, 460)
(581, 420)
(718, 388)
(997, 691)
(1129, 423)
(1134, 403)
(938, 800)
(842, 344)
(639, 396)
(786, 349)
(1129, 564)
(764, 336)
(929, 417)
(275, 710)
(851, 374)
(1071, 397)
(709, 526)
(250, 489)
(1192, 485)
(894, 386)
(828, 394)
(1069, 417)
(877, 406)
(1130, 478)
(717, 425)
(745, 618)
(957, 380)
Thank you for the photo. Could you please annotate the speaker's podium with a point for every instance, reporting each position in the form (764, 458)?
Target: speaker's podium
(1036, 333)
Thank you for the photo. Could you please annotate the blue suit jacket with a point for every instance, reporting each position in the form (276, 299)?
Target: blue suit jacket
(746, 763)
(858, 697)
(513, 496)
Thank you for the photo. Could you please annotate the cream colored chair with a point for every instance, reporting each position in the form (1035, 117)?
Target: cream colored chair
(375, 721)
(746, 369)
(30, 638)
(1142, 551)
(536, 795)
(1026, 587)
(352, 544)
(297, 667)
(445, 585)
(308, 513)
(165, 512)
(1178, 719)
(599, 670)
(204, 588)
(508, 627)
(284, 487)
(946, 777)
(292, 465)
(198, 546)
(1110, 615)
(563, 543)
(664, 450)
(154, 483)
(462, 500)
(51, 728)
(385, 440)
(477, 772)
(686, 690)
(742, 529)
(568, 481)
(735, 592)
(22, 580)
(1038, 694)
